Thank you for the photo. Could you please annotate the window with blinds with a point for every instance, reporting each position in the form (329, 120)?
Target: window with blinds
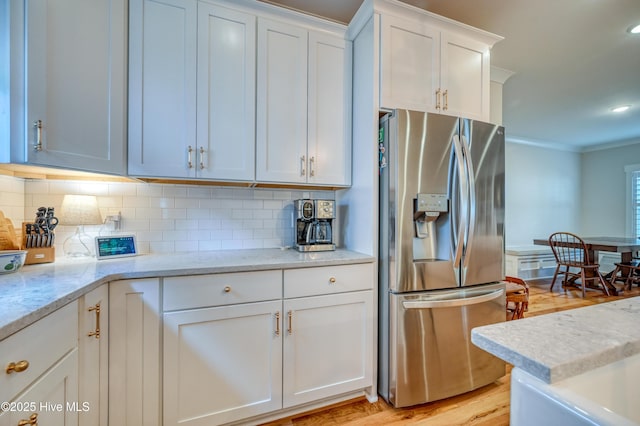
(635, 202)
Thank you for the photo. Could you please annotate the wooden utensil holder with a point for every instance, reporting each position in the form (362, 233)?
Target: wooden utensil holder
(37, 254)
(40, 255)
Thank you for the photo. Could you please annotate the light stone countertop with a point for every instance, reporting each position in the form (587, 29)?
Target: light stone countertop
(37, 290)
(563, 344)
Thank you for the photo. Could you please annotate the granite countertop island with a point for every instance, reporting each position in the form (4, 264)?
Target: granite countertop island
(37, 290)
(564, 344)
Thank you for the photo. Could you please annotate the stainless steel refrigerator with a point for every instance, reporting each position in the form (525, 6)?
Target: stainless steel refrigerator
(441, 254)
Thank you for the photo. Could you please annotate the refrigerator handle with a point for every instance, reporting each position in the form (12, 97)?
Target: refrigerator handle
(460, 231)
(471, 196)
(430, 304)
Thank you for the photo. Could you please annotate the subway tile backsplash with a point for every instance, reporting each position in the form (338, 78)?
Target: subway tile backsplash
(12, 198)
(168, 218)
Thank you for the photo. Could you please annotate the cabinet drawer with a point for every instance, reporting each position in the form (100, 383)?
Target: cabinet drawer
(198, 291)
(42, 344)
(327, 280)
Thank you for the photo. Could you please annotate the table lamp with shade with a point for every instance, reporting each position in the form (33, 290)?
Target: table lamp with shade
(79, 210)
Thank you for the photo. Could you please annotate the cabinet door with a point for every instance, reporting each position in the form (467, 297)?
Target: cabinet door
(281, 127)
(52, 400)
(93, 335)
(226, 93)
(329, 107)
(410, 65)
(134, 352)
(465, 78)
(162, 88)
(222, 364)
(76, 87)
(328, 346)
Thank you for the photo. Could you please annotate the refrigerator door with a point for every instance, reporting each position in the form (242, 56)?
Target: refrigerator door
(415, 217)
(431, 354)
(483, 146)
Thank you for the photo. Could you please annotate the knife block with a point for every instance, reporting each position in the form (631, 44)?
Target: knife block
(40, 255)
(37, 254)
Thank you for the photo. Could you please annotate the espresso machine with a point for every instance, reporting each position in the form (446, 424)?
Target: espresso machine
(314, 225)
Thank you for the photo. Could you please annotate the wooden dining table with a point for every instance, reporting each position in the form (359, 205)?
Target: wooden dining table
(624, 245)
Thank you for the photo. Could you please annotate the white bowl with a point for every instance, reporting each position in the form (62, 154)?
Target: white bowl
(11, 260)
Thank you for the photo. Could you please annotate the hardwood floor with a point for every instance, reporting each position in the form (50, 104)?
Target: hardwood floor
(487, 406)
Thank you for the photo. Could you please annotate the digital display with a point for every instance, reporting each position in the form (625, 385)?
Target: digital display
(115, 246)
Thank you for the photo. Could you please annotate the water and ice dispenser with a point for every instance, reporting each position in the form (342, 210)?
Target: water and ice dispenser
(427, 208)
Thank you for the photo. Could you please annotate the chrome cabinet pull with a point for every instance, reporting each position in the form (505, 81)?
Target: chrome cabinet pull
(33, 421)
(445, 96)
(37, 143)
(303, 163)
(17, 367)
(312, 163)
(95, 309)
(189, 160)
(201, 158)
(438, 99)
(278, 323)
(290, 316)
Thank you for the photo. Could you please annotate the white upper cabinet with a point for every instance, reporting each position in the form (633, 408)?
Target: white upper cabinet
(226, 93)
(303, 132)
(410, 68)
(281, 138)
(464, 77)
(231, 94)
(192, 91)
(162, 87)
(329, 110)
(427, 64)
(75, 98)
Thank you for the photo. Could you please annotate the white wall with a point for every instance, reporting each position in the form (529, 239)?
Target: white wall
(542, 193)
(604, 190)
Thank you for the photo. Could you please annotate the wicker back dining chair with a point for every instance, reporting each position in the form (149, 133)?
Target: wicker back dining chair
(517, 298)
(571, 253)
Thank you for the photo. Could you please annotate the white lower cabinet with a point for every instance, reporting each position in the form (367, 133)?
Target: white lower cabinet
(40, 378)
(222, 364)
(234, 349)
(134, 353)
(93, 366)
(328, 342)
(327, 346)
(222, 347)
(51, 400)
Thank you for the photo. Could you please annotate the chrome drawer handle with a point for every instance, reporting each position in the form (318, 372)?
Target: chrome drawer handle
(189, 159)
(37, 143)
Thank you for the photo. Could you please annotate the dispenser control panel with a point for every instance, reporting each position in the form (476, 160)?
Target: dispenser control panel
(433, 203)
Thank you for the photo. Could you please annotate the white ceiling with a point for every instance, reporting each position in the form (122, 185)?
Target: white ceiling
(573, 61)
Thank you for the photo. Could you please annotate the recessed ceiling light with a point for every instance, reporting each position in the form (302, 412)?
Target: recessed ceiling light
(621, 108)
(634, 29)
